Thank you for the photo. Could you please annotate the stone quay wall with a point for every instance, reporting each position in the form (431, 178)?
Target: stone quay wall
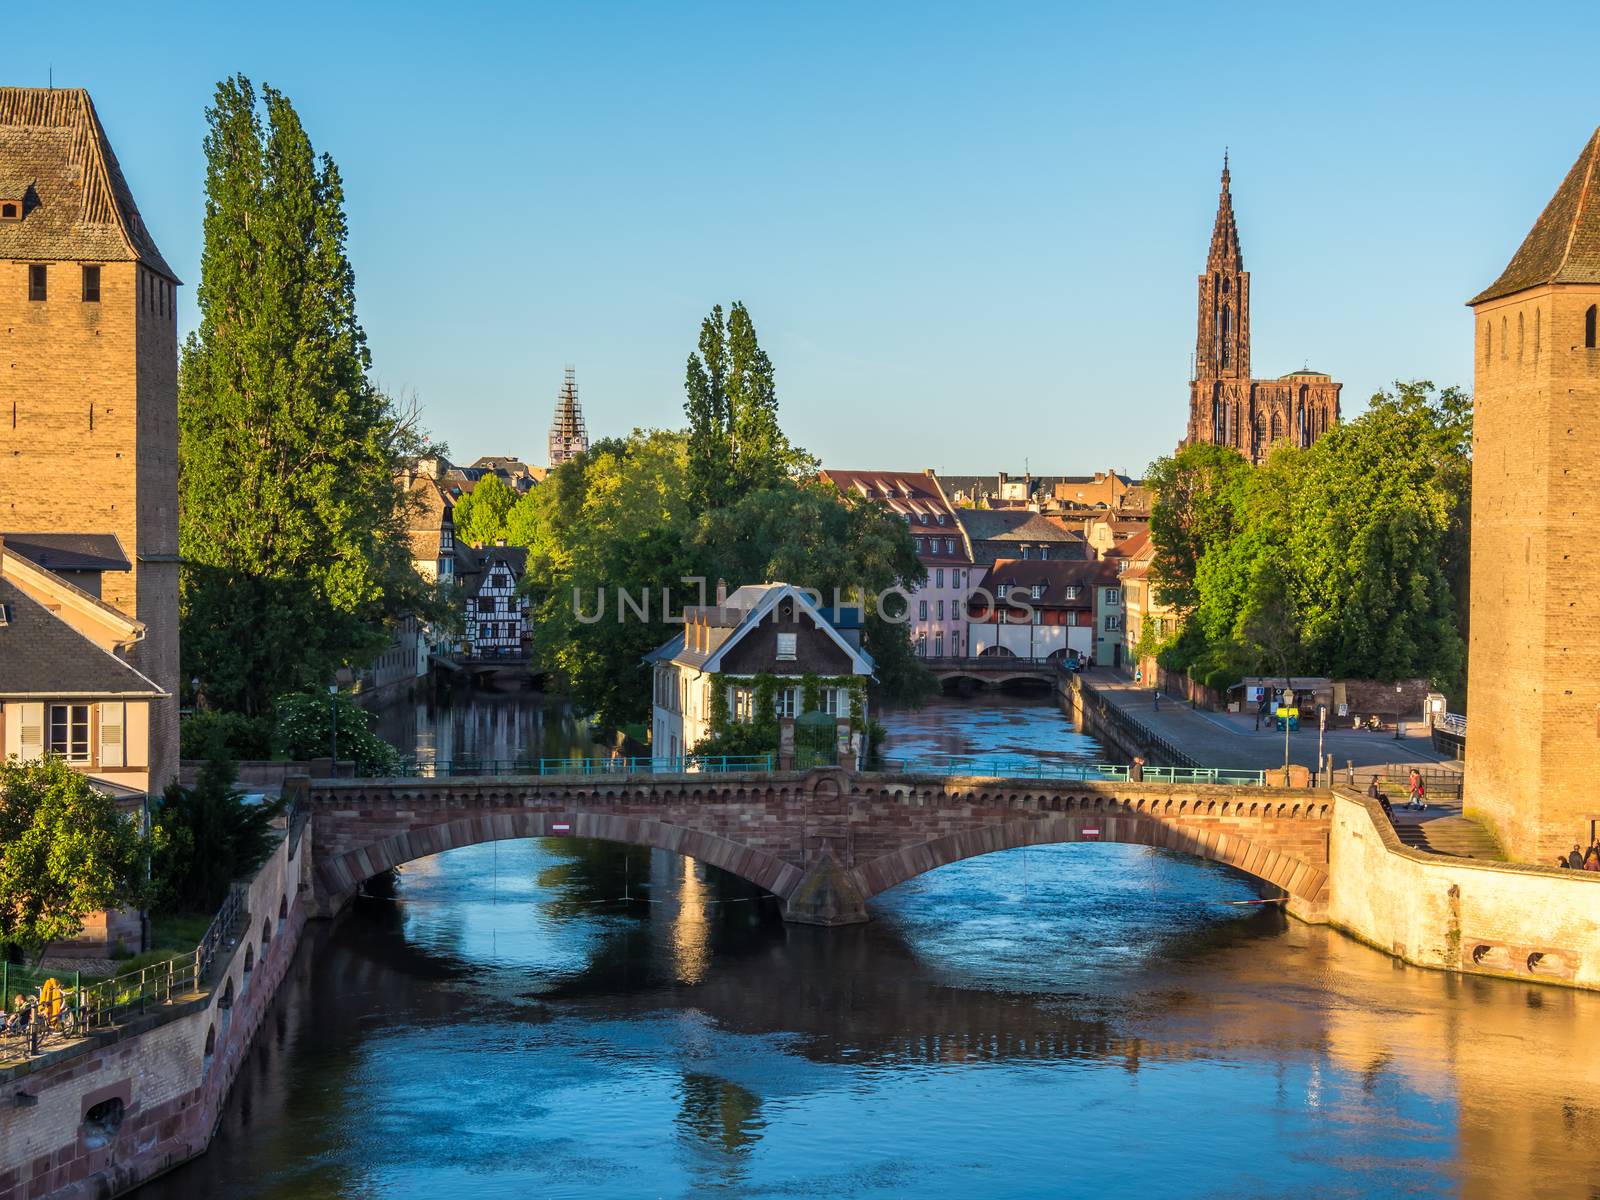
(170, 1069)
(1459, 914)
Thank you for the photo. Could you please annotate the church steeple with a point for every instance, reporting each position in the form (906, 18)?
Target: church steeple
(569, 437)
(1222, 340)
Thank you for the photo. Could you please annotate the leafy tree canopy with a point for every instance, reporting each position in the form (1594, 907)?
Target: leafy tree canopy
(480, 516)
(292, 517)
(1342, 559)
(65, 852)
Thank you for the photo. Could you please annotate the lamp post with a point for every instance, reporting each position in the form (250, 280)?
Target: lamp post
(333, 712)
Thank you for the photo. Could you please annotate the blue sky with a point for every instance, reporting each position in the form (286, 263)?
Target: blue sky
(968, 234)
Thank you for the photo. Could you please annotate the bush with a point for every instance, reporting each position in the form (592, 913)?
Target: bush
(216, 736)
(305, 730)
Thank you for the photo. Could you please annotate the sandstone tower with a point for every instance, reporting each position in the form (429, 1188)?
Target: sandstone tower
(1227, 406)
(1534, 659)
(89, 370)
(568, 435)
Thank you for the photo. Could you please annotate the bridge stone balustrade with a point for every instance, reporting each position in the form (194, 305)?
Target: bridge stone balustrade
(824, 841)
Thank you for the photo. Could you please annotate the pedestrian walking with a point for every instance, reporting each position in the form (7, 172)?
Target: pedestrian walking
(1419, 792)
(1158, 700)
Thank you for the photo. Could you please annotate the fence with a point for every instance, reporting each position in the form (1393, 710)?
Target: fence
(1009, 768)
(87, 1007)
(1109, 713)
(692, 764)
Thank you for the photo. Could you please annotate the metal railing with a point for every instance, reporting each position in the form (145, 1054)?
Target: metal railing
(690, 764)
(1115, 715)
(85, 1008)
(1453, 722)
(1072, 772)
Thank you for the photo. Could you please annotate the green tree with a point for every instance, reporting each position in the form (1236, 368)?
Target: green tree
(736, 445)
(306, 730)
(291, 516)
(480, 516)
(65, 852)
(209, 838)
(1197, 491)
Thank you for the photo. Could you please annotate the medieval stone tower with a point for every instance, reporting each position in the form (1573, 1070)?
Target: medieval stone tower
(1534, 660)
(1226, 406)
(89, 370)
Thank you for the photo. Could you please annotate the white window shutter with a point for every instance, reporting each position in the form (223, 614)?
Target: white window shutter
(111, 726)
(31, 745)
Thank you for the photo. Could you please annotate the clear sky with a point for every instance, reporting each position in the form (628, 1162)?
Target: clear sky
(968, 233)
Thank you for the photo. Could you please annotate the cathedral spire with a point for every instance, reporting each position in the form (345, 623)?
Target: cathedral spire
(1225, 253)
(568, 435)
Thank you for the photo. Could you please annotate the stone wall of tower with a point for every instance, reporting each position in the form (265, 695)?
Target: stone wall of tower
(88, 442)
(1534, 656)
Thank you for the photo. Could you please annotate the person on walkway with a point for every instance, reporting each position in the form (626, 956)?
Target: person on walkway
(1575, 858)
(1419, 791)
(1374, 790)
(1158, 699)
(1561, 861)
(1591, 860)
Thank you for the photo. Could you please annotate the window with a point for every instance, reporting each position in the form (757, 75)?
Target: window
(10, 211)
(922, 645)
(939, 609)
(1114, 623)
(1589, 331)
(486, 604)
(1038, 617)
(938, 578)
(938, 645)
(1504, 340)
(1035, 592)
(786, 702)
(949, 545)
(91, 285)
(787, 647)
(68, 732)
(1002, 591)
(955, 609)
(1519, 337)
(922, 610)
(1027, 552)
(830, 701)
(1488, 340)
(1113, 595)
(1071, 592)
(917, 542)
(36, 282)
(941, 518)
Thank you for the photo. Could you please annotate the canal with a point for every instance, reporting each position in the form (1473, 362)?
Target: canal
(561, 1018)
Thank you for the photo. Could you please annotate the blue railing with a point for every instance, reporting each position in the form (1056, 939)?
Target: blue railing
(690, 764)
(1012, 768)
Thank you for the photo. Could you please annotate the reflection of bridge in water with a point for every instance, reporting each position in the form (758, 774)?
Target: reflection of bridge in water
(994, 670)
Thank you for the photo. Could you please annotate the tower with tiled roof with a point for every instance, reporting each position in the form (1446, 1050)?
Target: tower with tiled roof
(568, 435)
(1227, 406)
(1533, 680)
(89, 431)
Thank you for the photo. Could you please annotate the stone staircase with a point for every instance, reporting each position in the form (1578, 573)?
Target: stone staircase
(1452, 835)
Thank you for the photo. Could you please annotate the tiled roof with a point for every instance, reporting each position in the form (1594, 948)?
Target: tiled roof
(69, 551)
(1053, 577)
(472, 564)
(76, 204)
(1564, 244)
(41, 655)
(1014, 525)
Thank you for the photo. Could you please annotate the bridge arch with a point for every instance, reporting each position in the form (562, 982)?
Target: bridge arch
(339, 877)
(1305, 883)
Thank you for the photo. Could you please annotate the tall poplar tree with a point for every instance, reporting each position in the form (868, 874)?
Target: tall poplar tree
(291, 513)
(736, 445)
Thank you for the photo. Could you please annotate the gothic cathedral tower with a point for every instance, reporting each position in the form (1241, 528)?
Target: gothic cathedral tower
(1226, 406)
(1533, 678)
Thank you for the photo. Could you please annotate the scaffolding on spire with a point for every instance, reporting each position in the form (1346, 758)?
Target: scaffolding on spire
(568, 435)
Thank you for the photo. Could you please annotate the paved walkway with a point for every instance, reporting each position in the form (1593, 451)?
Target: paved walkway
(1232, 740)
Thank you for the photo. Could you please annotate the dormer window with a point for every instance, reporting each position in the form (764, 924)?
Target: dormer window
(10, 210)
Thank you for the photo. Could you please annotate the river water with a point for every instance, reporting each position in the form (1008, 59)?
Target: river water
(563, 1018)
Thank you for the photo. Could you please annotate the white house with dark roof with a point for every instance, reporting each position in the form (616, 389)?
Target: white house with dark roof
(760, 629)
(66, 686)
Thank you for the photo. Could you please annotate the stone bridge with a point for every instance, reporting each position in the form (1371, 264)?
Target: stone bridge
(825, 841)
(992, 670)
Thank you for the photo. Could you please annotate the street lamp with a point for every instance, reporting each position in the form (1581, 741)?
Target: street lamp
(333, 711)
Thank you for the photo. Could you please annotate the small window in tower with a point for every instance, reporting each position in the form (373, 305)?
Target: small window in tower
(1505, 339)
(10, 210)
(1488, 340)
(91, 285)
(1589, 330)
(36, 281)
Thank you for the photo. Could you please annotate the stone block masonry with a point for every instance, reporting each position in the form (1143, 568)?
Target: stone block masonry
(166, 1074)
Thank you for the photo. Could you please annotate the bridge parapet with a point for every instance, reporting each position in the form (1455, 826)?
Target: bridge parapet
(823, 841)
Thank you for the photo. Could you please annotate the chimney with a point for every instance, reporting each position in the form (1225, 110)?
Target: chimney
(722, 592)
